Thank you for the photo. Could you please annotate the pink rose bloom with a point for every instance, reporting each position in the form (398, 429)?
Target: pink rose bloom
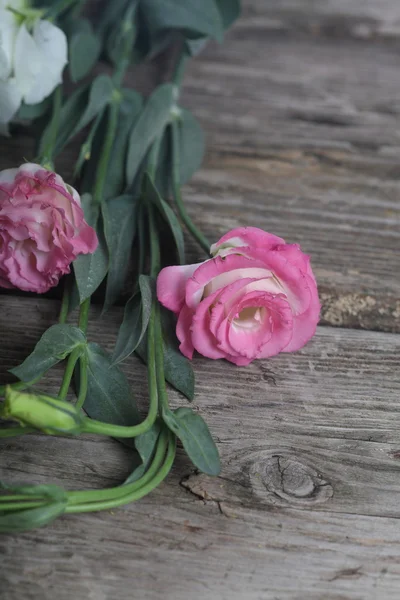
(255, 298)
(42, 228)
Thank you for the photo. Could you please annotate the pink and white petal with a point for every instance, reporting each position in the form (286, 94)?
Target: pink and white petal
(246, 236)
(305, 325)
(219, 272)
(171, 285)
(296, 257)
(183, 332)
(293, 282)
(202, 338)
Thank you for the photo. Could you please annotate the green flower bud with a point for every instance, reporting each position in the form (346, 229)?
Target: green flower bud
(45, 413)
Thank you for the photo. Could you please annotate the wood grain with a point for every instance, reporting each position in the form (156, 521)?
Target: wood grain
(301, 111)
(309, 486)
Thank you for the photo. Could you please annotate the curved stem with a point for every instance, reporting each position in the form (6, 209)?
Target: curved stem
(137, 493)
(75, 354)
(68, 373)
(19, 385)
(79, 497)
(176, 188)
(93, 426)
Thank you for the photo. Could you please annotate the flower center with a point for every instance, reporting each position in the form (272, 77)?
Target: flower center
(250, 317)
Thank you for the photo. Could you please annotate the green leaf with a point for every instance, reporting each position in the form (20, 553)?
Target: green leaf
(178, 369)
(130, 107)
(151, 122)
(54, 345)
(91, 269)
(119, 217)
(201, 17)
(191, 145)
(164, 164)
(196, 438)
(229, 11)
(24, 520)
(109, 397)
(135, 321)
(34, 111)
(100, 95)
(122, 36)
(31, 518)
(111, 13)
(84, 50)
(151, 194)
(71, 112)
(80, 108)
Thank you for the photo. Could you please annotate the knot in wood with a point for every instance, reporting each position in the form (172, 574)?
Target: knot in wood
(284, 480)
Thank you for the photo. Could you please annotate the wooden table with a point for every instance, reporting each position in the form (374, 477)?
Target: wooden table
(301, 106)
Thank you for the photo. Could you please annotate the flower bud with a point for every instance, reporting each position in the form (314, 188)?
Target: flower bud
(45, 413)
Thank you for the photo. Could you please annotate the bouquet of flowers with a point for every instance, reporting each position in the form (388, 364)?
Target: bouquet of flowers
(118, 229)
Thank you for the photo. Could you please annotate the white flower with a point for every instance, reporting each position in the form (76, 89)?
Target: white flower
(32, 59)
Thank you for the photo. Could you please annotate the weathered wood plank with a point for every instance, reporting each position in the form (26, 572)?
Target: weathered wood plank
(303, 141)
(328, 412)
(310, 482)
(172, 547)
(348, 221)
(363, 19)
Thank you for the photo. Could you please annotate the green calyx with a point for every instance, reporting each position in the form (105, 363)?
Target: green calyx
(42, 412)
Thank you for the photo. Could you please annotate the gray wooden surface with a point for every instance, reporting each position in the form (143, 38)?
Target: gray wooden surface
(302, 113)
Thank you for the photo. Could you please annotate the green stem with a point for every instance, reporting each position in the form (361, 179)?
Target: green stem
(153, 158)
(176, 187)
(14, 506)
(93, 426)
(79, 497)
(155, 261)
(83, 381)
(84, 315)
(7, 432)
(19, 385)
(48, 150)
(68, 373)
(160, 375)
(137, 493)
(102, 169)
(179, 70)
(65, 301)
(76, 353)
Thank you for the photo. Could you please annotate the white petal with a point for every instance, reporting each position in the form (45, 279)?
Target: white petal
(8, 31)
(27, 61)
(52, 45)
(8, 176)
(10, 100)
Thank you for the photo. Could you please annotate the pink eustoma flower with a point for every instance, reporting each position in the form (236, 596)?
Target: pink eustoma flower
(42, 228)
(255, 298)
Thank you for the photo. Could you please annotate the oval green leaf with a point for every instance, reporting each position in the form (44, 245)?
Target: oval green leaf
(151, 122)
(196, 438)
(54, 346)
(135, 321)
